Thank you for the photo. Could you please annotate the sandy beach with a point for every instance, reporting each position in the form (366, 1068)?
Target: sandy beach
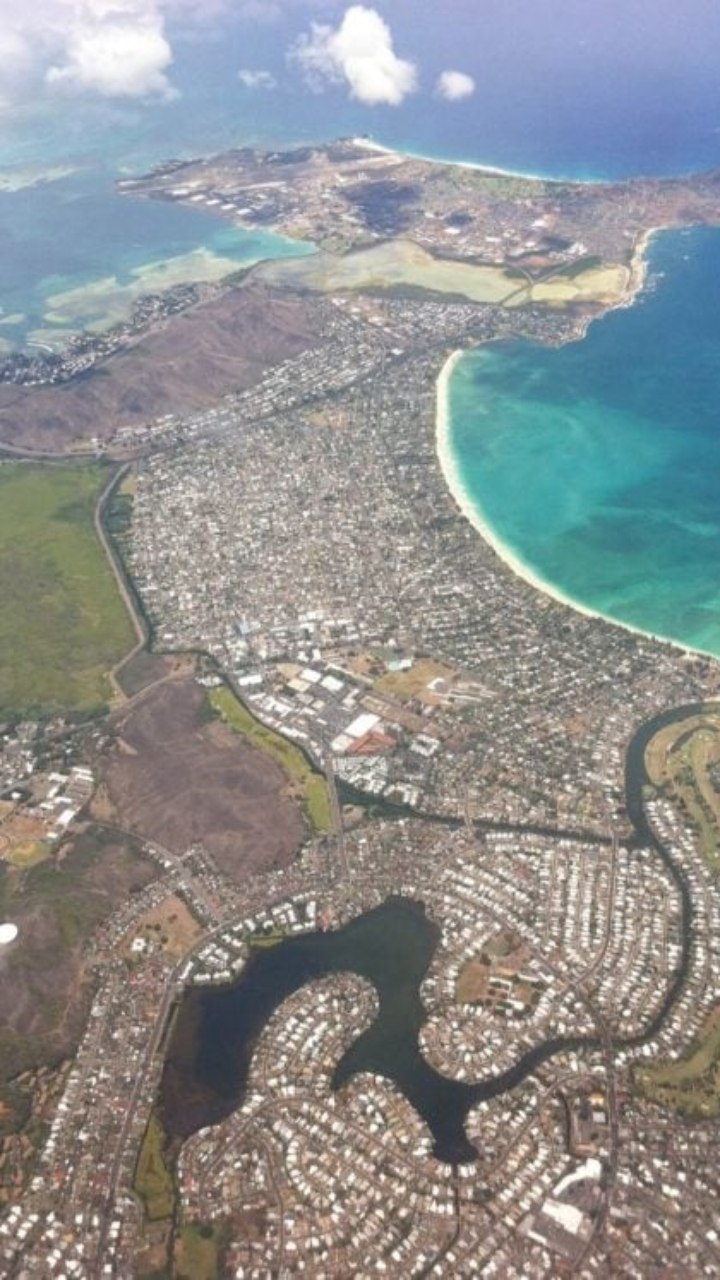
(490, 169)
(639, 263)
(454, 481)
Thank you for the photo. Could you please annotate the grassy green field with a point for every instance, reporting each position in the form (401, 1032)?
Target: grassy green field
(311, 785)
(196, 1254)
(691, 1085)
(62, 621)
(153, 1180)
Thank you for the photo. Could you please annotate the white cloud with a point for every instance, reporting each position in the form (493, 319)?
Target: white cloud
(115, 48)
(257, 79)
(15, 52)
(17, 61)
(454, 85)
(360, 53)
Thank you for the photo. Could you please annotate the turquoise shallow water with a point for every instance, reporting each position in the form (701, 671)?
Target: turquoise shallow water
(598, 463)
(562, 89)
(76, 232)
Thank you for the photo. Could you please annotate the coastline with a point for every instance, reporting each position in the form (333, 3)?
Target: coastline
(639, 266)
(456, 486)
(491, 170)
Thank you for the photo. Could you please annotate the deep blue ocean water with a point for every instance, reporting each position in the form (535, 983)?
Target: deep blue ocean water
(564, 87)
(598, 462)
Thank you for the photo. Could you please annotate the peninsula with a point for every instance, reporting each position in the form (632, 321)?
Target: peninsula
(412, 965)
(537, 258)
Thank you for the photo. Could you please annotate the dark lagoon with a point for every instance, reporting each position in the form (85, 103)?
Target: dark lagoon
(391, 946)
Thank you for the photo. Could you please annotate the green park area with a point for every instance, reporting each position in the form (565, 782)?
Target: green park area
(63, 624)
(690, 1085)
(196, 1252)
(683, 763)
(311, 786)
(153, 1180)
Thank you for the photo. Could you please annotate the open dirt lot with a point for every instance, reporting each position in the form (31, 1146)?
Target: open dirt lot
(177, 775)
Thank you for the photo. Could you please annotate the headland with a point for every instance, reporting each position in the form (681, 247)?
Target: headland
(536, 258)
(290, 534)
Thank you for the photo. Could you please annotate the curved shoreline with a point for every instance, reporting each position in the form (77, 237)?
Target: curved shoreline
(456, 485)
(492, 170)
(638, 266)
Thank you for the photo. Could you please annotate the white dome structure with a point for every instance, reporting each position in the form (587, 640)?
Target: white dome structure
(8, 934)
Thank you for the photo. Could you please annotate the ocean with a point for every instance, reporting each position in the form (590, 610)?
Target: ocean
(560, 91)
(75, 255)
(596, 463)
